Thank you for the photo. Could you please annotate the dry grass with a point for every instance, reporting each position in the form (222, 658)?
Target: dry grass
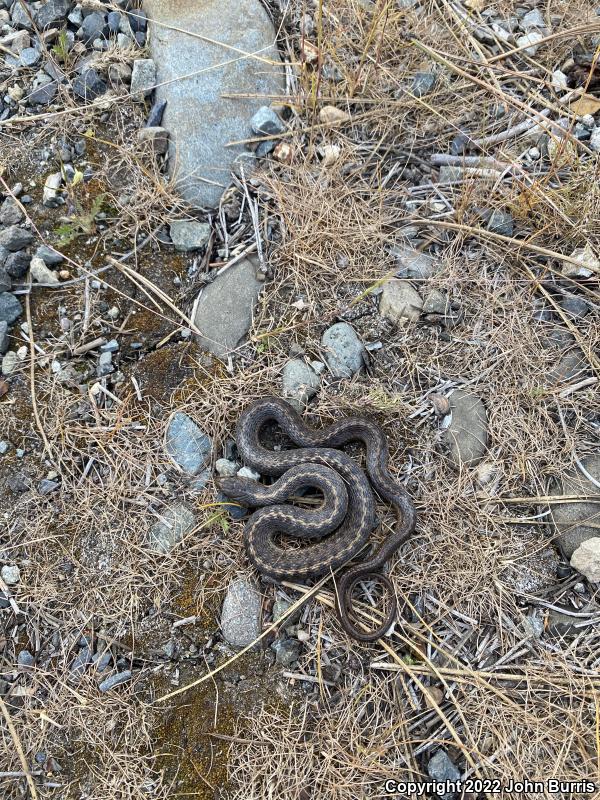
(465, 673)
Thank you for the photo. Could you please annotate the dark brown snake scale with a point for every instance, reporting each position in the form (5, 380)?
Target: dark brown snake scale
(346, 516)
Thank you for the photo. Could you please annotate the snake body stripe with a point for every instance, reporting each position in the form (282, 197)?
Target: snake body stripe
(318, 447)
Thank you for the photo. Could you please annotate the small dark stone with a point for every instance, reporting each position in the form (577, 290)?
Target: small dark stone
(89, 85)
(25, 659)
(17, 264)
(10, 308)
(115, 680)
(93, 27)
(286, 651)
(440, 768)
(140, 38)
(460, 144)
(10, 213)
(501, 222)
(423, 83)
(266, 122)
(156, 114)
(114, 21)
(15, 238)
(4, 340)
(4, 601)
(43, 95)
(49, 255)
(46, 486)
(574, 305)
(5, 281)
(137, 20)
(235, 511)
(52, 11)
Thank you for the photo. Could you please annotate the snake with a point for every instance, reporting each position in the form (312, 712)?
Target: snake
(347, 513)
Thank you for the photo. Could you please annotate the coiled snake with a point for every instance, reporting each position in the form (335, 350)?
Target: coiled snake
(347, 513)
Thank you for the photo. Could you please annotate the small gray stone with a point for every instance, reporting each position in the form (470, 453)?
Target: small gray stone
(114, 21)
(574, 305)
(5, 281)
(17, 264)
(47, 486)
(240, 617)
(189, 234)
(52, 184)
(226, 468)
(89, 85)
(158, 138)
(105, 365)
(40, 272)
(224, 309)
(400, 302)
(93, 27)
(10, 574)
(42, 95)
(52, 11)
(576, 522)
(143, 78)
(4, 340)
(29, 57)
(15, 238)
(81, 661)
(25, 659)
(187, 444)
(10, 212)
(4, 446)
(441, 769)
(111, 346)
(533, 19)
(286, 651)
(198, 482)
(266, 122)
(586, 559)
(595, 140)
(467, 433)
(423, 83)
(10, 308)
(412, 264)
(344, 351)
(51, 256)
(300, 383)
(115, 680)
(501, 222)
(10, 362)
(177, 520)
(435, 302)
(530, 42)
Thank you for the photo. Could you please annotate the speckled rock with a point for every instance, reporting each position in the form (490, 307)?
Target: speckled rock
(466, 434)
(240, 617)
(400, 302)
(575, 522)
(344, 351)
(187, 444)
(299, 382)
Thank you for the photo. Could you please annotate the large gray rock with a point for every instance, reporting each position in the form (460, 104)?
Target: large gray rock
(240, 618)
(10, 308)
(177, 520)
(196, 45)
(187, 444)
(344, 351)
(224, 309)
(586, 559)
(467, 433)
(575, 522)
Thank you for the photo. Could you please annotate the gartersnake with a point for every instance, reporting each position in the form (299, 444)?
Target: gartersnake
(348, 520)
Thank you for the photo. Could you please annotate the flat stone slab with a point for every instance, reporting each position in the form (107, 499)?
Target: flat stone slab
(224, 309)
(467, 433)
(199, 48)
(575, 522)
(177, 520)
